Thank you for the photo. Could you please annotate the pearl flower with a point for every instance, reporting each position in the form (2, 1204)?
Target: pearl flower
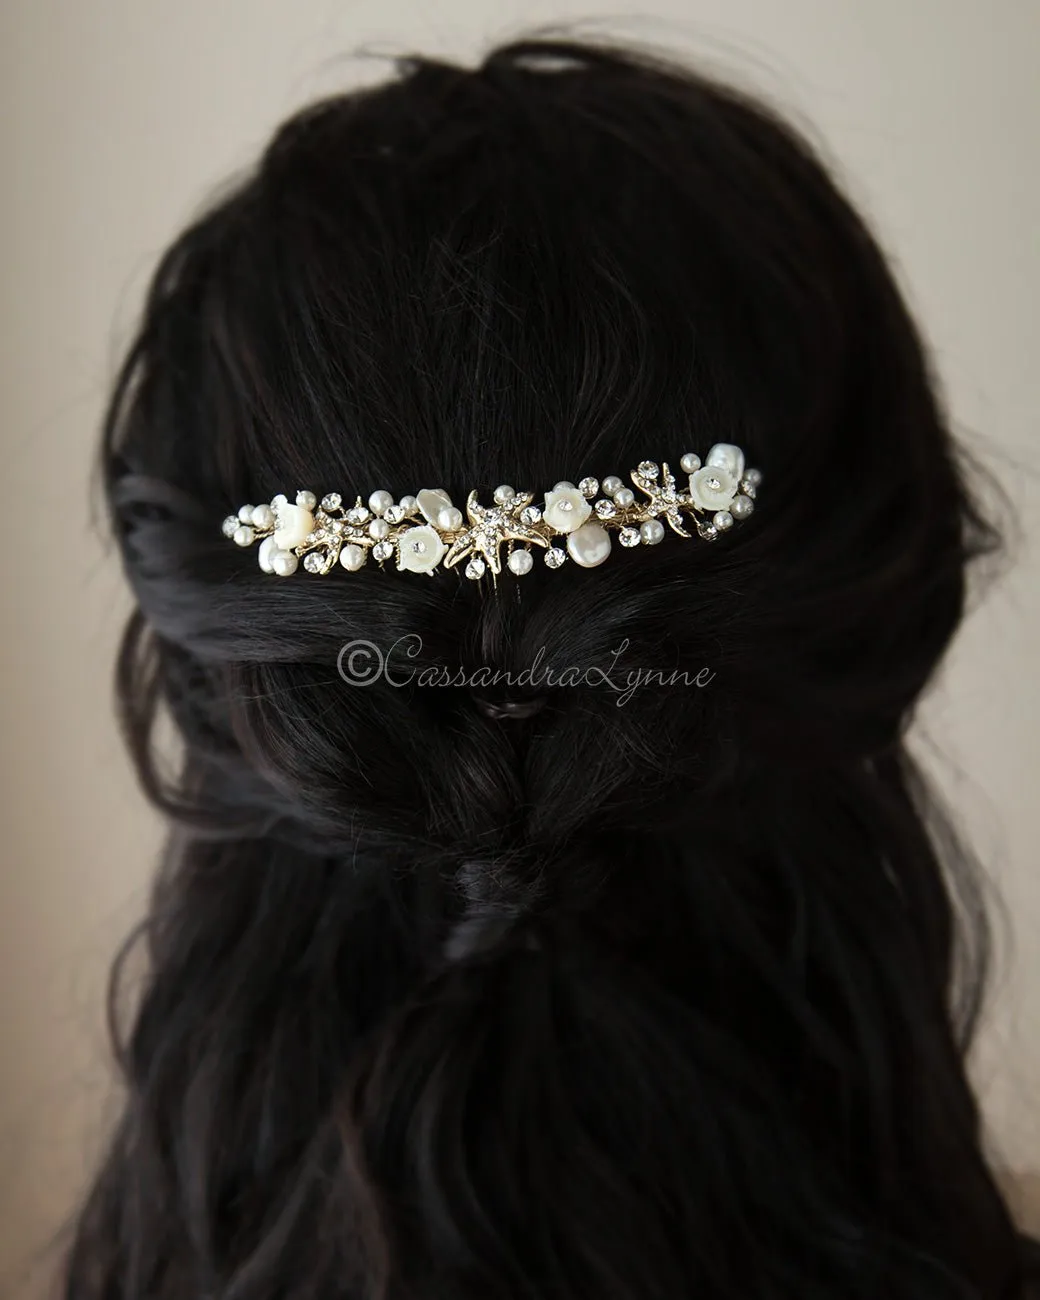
(294, 525)
(419, 549)
(565, 509)
(712, 488)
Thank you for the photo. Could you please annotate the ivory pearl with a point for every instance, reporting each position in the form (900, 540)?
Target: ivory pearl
(284, 563)
(652, 532)
(263, 517)
(306, 499)
(245, 513)
(378, 528)
(450, 519)
(380, 501)
(589, 545)
(520, 562)
(610, 485)
(504, 493)
(624, 497)
(431, 501)
(244, 535)
(407, 504)
(742, 506)
(690, 463)
(352, 557)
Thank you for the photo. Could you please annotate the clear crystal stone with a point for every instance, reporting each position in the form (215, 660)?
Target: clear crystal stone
(588, 487)
(332, 501)
(475, 568)
(383, 550)
(314, 563)
(606, 509)
(393, 514)
(648, 469)
(555, 556)
(629, 537)
(748, 488)
(229, 525)
(419, 546)
(357, 515)
(530, 515)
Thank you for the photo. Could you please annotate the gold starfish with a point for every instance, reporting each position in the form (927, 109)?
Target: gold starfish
(489, 527)
(664, 501)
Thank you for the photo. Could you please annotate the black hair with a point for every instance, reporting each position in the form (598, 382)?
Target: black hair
(525, 995)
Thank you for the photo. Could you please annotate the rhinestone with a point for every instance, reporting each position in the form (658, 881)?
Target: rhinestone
(383, 550)
(314, 563)
(357, 515)
(306, 499)
(611, 484)
(588, 487)
(714, 484)
(530, 515)
(229, 526)
(605, 509)
(332, 501)
(393, 514)
(748, 488)
(710, 533)
(555, 556)
(419, 546)
(648, 469)
(629, 537)
(475, 568)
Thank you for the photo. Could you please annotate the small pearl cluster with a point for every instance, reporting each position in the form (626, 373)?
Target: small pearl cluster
(425, 531)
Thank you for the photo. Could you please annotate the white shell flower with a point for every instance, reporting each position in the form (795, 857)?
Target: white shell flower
(712, 488)
(565, 508)
(294, 526)
(420, 549)
(727, 455)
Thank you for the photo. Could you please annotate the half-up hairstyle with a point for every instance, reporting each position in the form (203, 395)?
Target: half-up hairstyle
(527, 993)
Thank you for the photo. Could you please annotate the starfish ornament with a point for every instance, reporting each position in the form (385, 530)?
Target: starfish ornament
(489, 527)
(665, 502)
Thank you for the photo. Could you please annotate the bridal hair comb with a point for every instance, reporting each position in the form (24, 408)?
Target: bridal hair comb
(426, 531)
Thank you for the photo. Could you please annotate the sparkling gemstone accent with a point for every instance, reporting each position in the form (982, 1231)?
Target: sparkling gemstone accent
(475, 568)
(648, 469)
(555, 556)
(748, 488)
(332, 501)
(709, 533)
(393, 514)
(229, 526)
(588, 487)
(629, 537)
(530, 515)
(606, 509)
(383, 550)
(357, 515)
(314, 563)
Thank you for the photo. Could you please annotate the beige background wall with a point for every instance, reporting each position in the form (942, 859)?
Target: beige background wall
(119, 116)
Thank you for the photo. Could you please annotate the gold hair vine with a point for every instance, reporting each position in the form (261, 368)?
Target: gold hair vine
(425, 531)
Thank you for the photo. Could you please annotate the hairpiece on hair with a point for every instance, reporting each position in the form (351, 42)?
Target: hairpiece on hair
(425, 531)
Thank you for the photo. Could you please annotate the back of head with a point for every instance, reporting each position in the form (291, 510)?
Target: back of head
(637, 993)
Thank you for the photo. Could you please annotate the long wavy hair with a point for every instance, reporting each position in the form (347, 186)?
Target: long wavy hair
(586, 1002)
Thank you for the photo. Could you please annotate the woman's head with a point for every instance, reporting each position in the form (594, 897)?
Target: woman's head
(626, 1001)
